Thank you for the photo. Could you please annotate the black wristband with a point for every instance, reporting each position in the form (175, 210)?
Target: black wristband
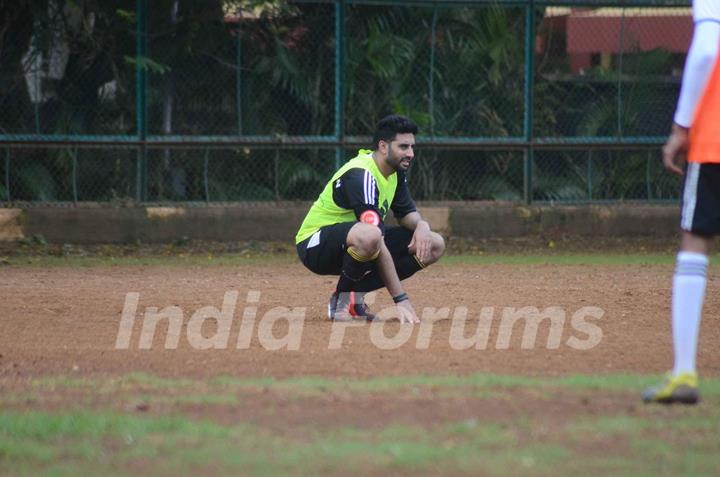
(400, 297)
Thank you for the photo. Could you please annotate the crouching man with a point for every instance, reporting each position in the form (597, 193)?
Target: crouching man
(344, 232)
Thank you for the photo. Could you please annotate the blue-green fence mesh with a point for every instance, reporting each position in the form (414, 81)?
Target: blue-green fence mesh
(179, 101)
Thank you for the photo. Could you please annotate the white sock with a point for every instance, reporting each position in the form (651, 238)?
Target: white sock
(687, 302)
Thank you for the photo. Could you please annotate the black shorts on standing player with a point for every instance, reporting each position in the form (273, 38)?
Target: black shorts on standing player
(701, 199)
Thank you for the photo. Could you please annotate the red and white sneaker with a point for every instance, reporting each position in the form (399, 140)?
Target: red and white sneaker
(348, 306)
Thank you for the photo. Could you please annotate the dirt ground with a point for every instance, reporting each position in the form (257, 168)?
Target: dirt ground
(65, 321)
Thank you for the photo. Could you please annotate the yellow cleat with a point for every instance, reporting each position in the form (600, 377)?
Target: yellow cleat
(682, 389)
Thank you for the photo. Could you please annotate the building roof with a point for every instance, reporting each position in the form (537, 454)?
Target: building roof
(618, 12)
(610, 30)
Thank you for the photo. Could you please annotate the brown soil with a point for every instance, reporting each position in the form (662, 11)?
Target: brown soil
(65, 321)
(62, 321)
(36, 246)
(290, 414)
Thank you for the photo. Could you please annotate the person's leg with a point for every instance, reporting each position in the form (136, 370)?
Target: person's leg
(346, 249)
(437, 249)
(363, 248)
(324, 252)
(688, 295)
(700, 220)
(361, 252)
(397, 240)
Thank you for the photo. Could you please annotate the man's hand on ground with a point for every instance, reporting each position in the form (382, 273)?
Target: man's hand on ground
(406, 312)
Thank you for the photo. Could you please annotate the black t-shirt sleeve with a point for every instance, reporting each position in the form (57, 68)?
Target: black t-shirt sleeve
(402, 203)
(357, 190)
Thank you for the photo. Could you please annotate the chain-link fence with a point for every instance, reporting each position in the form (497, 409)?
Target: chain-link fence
(247, 100)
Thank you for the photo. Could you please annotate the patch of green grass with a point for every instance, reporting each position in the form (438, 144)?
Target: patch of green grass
(97, 442)
(254, 259)
(633, 465)
(645, 440)
(47, 427)
(684, 443)
(91, 443)
(307, 385)
(158, 261)
(111, 385)
(252, 382)
(564, 259)
(380, 384)
(208, 399)
(615, 382)
(146, 379)
(482, 434)
(689, 419)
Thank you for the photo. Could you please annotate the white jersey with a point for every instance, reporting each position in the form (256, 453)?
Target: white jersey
(700, 59)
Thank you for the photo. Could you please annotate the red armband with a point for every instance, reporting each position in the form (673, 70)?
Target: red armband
(370, 217)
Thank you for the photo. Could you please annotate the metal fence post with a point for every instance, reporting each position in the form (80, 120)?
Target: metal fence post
(238, 79)
(339, 73)
(277, 174)
(7, 174)
(528, 125)
(431, 80)
(621, 56)
(648, 165)
(141, 99)
(36, 77)
(589, 175)
(205, 175)
(73, 154)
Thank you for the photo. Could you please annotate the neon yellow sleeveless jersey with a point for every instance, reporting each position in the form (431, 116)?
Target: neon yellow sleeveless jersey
(357, 185)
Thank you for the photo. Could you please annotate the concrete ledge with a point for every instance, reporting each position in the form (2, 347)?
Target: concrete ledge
(122, 225)
(588, 220)
(437, 217)
(84, 225)
(11, 224)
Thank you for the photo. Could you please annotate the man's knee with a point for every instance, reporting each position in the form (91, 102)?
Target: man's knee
(365, 238)
(438, 248)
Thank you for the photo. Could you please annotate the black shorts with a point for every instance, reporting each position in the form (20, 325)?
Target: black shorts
(701, 199)
(323, 253)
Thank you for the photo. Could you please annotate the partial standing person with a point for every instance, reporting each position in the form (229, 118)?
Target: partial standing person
(344, 232)
(695, 134)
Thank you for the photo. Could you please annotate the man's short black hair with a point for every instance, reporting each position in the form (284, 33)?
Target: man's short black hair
(392, 125)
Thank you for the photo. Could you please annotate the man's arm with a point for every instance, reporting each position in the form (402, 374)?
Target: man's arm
(421, 243)
(698, 66)
(673, 152)
(407, 215)
(389, 275)
(357, 190)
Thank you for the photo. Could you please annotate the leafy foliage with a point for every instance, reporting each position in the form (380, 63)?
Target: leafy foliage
(267, 68)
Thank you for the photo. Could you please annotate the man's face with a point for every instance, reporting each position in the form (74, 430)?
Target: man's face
(401, 151)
